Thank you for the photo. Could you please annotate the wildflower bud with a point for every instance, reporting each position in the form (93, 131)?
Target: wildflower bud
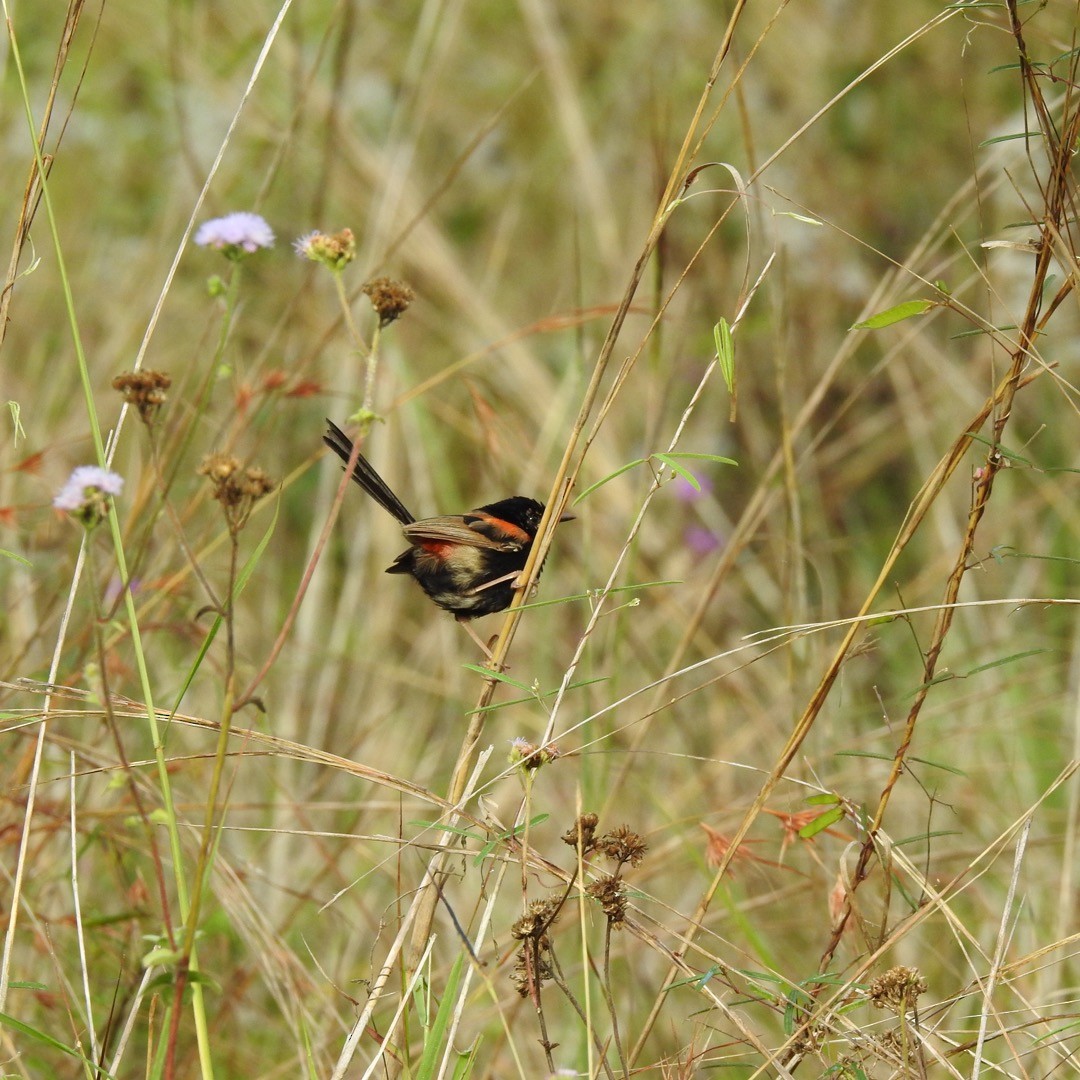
(334, 250)
(530, 757)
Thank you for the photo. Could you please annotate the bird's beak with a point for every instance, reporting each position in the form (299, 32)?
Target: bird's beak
(568, 517)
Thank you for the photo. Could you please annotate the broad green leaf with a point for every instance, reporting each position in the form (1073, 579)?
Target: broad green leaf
(821, 822)
(907, 310)
(436, 1034)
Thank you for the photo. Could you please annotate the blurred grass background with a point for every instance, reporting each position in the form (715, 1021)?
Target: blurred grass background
(506, 160)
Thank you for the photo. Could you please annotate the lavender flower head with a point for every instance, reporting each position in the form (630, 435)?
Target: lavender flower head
(237, 235)
(86, 494)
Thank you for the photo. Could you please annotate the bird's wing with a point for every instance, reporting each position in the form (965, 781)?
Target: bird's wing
(469, 530)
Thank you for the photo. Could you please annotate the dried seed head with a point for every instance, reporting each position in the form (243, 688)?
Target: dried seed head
(235, 487)
(389, 298)
(623, 845)
(539, 915)
(582, 834)
(899, 989)
(610, 893)
(145, 390)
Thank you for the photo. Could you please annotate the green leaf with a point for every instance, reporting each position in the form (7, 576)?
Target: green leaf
(938, 765)
(600, 483)
(826, 798)
(907, 310)
(980, 331)
(500, 676)
(436, 1034)
(725, 352)
(465, 1060)
(1010, 455)
(679, 470)
(1006, 660)
(48, 1040)
(821, 822)
(1011, 138)
(452, 829)
(18, 558)
(703, 457)
(517, 830)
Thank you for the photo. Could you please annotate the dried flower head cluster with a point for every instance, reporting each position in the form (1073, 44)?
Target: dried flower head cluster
(389, 298)
(85, 495)
(237, 488)
(529, 757)
(236, 235)
(621, 844)
(532, 967)
(899, 989)
(333, 250)
(610, 893)
(582, 834)
(145, 390)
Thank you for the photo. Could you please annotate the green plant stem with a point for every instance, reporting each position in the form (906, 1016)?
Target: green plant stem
(210, 832)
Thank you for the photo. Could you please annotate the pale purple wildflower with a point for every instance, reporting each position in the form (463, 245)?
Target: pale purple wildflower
(86, 494)
(701, 541)
(236, 234)
(82, 485)
(686, 492)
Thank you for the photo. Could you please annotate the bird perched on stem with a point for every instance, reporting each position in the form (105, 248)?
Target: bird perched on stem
(469, 564)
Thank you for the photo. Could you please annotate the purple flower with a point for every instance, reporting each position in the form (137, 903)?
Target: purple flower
(686, 492)
(236, 234)
(700, 540)
(84, 483)
(86, 494)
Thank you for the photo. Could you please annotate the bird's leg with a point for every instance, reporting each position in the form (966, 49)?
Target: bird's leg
(467, 627)
(512, 576)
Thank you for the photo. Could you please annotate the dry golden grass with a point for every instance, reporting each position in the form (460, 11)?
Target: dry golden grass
(874, 611)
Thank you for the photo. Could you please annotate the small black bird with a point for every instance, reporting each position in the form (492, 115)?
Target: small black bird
(467, 563)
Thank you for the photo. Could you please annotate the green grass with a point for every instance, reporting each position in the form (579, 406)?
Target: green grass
(222, 817)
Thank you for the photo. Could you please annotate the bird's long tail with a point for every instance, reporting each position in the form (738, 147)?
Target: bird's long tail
(365, 475)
